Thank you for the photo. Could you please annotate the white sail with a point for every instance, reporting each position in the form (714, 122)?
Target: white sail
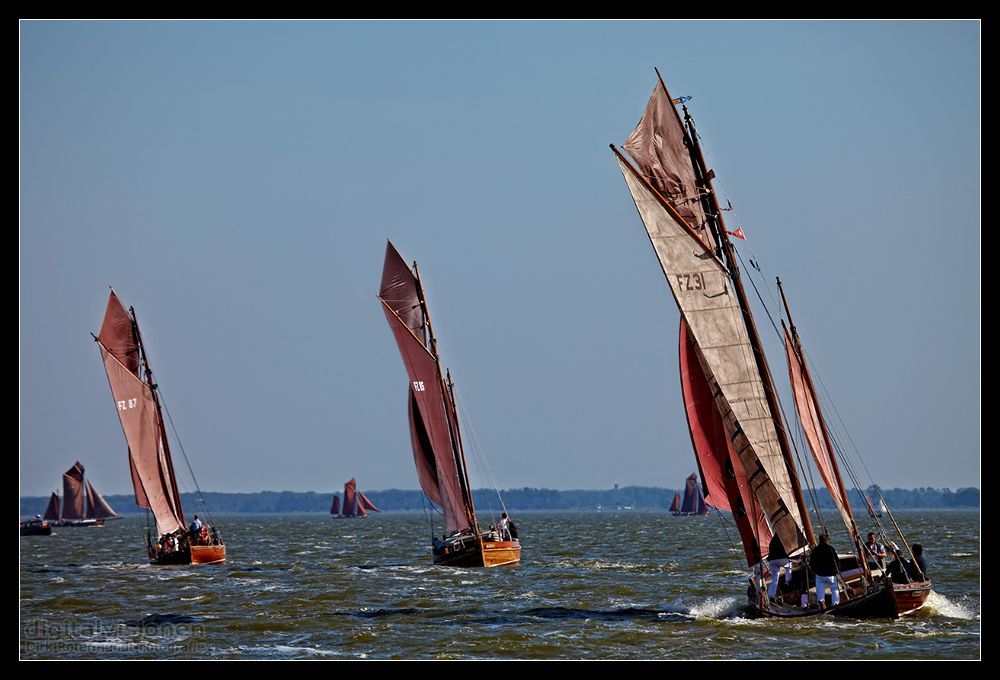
(701, 287)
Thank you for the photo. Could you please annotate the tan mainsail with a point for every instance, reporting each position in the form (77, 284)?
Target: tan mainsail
(701, 287)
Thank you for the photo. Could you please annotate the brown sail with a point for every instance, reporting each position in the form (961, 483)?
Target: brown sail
(150, 463)
(672, 191)
(434, 431)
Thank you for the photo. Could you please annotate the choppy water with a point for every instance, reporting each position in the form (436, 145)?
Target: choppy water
(610, 585)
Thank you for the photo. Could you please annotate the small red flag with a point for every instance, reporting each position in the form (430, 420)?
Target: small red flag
(738, 233)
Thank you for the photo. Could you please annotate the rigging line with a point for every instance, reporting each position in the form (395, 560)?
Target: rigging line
(733, 549)
(476, 445)
(428, 506)
(177, 438)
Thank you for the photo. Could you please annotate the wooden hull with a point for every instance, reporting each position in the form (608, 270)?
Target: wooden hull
(911, 597)
(479, 553)
(191, 554)
(208, 554)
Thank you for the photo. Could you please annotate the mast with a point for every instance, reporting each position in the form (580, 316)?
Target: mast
(434, 433)
(714, 214)
(447, 387)
(811, 390)
(669, 188)
(140, 415)
(164, 442)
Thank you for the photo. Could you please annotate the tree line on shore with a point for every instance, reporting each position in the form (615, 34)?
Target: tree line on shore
(515, 500)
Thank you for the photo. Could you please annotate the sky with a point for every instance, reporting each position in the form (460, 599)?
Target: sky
(236, 182)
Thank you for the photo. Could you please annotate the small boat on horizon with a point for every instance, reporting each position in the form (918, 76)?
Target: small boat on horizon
(694, 499)
(80, 506)
(356, 504)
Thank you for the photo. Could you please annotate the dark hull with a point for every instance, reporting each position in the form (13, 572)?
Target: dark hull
(881, 601)
(182, 556)
(35, 529)
(479, 553)
(191, 554)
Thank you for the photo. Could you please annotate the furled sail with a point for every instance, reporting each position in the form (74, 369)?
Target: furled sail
(701, 287)
(141, 421)
(434, 450)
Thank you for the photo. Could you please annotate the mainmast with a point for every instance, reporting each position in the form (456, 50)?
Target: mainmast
(718, 227)
(458, 452)
(162, 431)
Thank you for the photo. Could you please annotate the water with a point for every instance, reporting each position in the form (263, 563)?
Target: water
(610, 585)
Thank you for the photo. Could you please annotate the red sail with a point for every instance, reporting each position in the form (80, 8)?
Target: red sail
(720, 466)
(809, 418)
(350, 502)
(676, 505)
(118, 334)
(335, 508)
(690, 494)
(73, 495)
(118, 337)
(365, 503)
(660, 150)
(140, 419)
(97, 507)
(52, 511)
(433, 447)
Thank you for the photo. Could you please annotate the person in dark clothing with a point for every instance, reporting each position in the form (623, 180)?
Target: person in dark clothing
(900, 570)
(824, 564)
(918, 557)
(777, 561)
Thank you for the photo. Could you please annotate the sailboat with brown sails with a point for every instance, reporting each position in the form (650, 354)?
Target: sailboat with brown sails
(150, 462)
(434, 430)
(694, 499)
(739, 438)
(356, 504)
(81, 505)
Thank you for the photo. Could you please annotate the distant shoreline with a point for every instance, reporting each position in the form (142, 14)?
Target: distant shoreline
(629, 498)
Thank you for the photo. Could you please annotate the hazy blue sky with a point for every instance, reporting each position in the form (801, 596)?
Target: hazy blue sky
(236, 182)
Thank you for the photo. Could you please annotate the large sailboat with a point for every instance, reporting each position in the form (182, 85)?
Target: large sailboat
(434, 429)
(152, 468)
(737, 433)
(81, 505)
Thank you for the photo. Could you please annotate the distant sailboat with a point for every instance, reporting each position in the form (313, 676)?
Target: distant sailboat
(694, 499)
(356, 504)
(81, 504)
(153, 477)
